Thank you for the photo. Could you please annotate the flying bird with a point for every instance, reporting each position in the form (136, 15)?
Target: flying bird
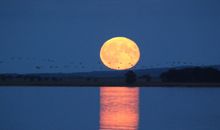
(38, 67)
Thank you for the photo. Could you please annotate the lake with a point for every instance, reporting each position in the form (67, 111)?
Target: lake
(109, 108)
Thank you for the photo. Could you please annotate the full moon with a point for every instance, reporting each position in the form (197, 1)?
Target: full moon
(119, 53)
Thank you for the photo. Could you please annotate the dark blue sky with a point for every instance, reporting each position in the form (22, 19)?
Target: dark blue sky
(72, 31)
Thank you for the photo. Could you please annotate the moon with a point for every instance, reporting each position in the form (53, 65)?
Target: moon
(119, 53)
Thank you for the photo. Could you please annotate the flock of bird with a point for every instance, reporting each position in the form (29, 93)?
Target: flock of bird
(52, 63)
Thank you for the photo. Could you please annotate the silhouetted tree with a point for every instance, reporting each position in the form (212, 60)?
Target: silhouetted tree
(95, 79)
(195, 74)
(54, 79)
(130, 77)
(31, 78)
(2, 77)
(146, 77)
(88, 78)
(38, 78)
(46, 78)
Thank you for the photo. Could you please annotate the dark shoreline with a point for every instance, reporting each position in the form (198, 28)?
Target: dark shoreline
(185, 77)
(112, 84)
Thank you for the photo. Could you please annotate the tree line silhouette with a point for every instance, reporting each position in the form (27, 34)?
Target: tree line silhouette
(187, 75)
(31, 78)
(193, 74)
(184, 75)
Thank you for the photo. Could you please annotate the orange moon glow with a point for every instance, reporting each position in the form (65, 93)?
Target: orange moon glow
(119, 108)
(119, 53)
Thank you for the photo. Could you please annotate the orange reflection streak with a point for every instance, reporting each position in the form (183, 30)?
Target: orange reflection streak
(119, 108)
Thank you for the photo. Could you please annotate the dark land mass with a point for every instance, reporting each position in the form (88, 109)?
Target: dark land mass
(183, 76)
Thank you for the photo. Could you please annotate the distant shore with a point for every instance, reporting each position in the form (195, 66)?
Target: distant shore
(172, 77)
(100, 82)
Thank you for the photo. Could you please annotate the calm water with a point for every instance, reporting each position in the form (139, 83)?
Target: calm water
(107, 108)
(119, 108)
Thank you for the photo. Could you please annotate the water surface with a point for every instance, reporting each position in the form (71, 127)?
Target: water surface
(119, 108)
(81, 108)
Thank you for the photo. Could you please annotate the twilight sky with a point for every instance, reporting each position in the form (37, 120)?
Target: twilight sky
(64, 35)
